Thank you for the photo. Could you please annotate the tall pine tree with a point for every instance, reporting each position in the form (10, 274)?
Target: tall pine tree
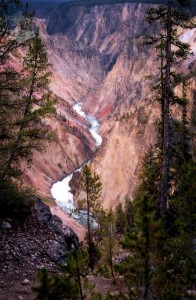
(33, 105)
(172, 50)
(91, 185)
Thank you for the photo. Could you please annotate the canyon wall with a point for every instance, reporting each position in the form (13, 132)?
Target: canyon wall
(98, 57)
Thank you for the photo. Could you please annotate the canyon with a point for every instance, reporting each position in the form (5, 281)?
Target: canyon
(98, 57)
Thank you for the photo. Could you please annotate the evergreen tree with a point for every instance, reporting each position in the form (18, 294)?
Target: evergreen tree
(53, 286)
(120, 219)
(91, 185)
(108, 245)
(77, 268)
(169, 17)
(36, 103)
(175, 260)
(15, 202)
(129, 213)
(9, 107)
(25, 101)
(141, 238)
(160, 244)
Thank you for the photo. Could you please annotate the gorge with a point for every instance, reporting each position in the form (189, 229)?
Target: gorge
(106, 115)
(61, 190)
(97, 54)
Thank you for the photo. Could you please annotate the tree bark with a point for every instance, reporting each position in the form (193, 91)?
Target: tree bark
(89, 227)
(110, 249)
(147, 255)
(26, 111)
(78, 276)
(167, 94)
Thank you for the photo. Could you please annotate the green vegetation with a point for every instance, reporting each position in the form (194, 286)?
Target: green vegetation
(157, 231)
(170, 52)
(57, 287)
(125, 117)
(25, 131)
(25, 101)
(161, 240)
(108, 245)
(47, 201)
(91, 185)
(14, 202)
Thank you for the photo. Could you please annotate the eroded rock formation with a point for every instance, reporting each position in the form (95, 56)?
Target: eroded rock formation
(98, 57)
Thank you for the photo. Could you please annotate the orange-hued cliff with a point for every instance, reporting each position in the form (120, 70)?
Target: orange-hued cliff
(97, 56)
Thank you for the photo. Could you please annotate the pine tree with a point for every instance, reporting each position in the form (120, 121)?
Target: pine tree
(129, 213)
(169, 17)
(173, 251)
(108, 245)
(9, 81)
(36, 103)
(72, 283)
(91, 185)
(161, 248)
(141, 238)
(25, 101)
(77, 268)
(120, 219)
(53, 286)
(9, 107)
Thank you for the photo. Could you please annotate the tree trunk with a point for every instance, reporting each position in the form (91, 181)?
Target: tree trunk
(167, 94)
(78, 276)
(27, 109)
(146, 263)
(110, 249)
(162, 92)
(89, 228)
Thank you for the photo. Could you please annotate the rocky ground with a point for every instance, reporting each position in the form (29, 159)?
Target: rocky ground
(41, 241)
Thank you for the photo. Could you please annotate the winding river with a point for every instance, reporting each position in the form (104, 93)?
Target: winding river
(61, 190)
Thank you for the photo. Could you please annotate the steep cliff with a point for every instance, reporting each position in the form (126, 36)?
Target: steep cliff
(71, 145)
(98, 57)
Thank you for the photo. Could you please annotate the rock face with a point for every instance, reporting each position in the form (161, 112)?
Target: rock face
(98, 57)
(70, 147)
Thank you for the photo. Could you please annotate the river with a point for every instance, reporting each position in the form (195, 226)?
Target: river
(61, 190)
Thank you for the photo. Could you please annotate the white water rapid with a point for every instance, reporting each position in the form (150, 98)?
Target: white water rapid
(94, 124)
(60, 190)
